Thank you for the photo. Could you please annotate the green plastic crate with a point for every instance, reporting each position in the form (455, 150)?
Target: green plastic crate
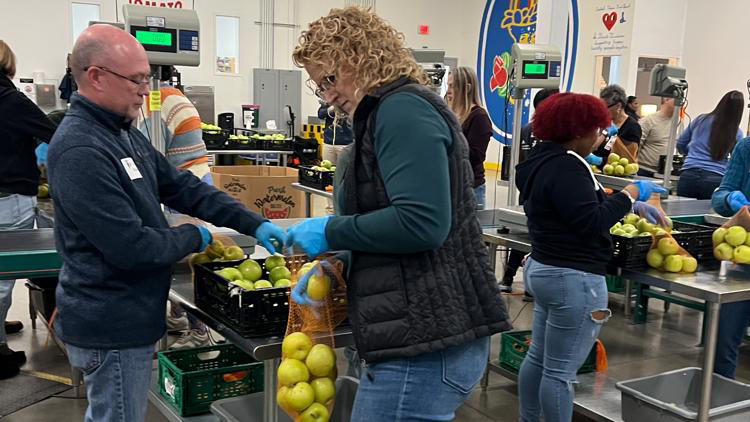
(615, 283)
(191, 379)
(515, 344)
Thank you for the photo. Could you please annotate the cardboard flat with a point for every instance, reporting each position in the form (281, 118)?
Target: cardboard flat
(266, 190)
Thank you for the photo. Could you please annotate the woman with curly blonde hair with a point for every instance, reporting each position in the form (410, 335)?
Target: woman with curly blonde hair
(423, 300)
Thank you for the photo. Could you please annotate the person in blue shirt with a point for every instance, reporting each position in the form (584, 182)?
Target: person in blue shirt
(706, 143)
(734, 317)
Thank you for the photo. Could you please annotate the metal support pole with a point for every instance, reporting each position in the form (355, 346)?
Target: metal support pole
(672, 141)
(515, 146)
(270, 410)
(157, 138)
(709, 355)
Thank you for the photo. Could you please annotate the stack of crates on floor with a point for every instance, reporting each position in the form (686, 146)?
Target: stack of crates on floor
(514, 345)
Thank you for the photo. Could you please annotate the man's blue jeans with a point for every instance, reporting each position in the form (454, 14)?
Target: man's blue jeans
(16, 212)
(117, 381)
(570, 307)
(428, 387)
(734, 318)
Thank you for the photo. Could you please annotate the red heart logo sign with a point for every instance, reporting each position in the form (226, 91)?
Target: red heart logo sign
(609, 20)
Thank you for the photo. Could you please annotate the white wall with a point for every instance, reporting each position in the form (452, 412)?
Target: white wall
(715, 54)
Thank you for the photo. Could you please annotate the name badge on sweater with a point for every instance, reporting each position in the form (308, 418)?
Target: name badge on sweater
(131, 168)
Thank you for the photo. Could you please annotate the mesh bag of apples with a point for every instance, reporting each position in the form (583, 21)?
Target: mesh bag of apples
(307, 373)
(731, 241)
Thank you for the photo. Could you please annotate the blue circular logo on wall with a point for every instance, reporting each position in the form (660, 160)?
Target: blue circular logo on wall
(503, 23)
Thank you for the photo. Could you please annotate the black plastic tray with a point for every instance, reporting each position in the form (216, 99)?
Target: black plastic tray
(315, 179)
(630, 252)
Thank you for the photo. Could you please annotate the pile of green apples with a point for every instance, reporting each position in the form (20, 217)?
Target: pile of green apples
(247, 275)
(274, 137)
(665, 257)
(239, 138)
(210, 128)
(633, 226)
(216, 252)
(324, 166)
(307, 376)
(617, 166)
(732, 244)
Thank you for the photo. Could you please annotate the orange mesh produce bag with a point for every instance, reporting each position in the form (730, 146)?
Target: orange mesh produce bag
(308, 362)
(730, 241)
(667, 255)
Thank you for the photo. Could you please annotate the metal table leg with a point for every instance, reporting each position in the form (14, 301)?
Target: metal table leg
(283, 160)
(76, 378)
(308, 204)
(493, 255)
(628, 293)
(270, 410)
(709, 355)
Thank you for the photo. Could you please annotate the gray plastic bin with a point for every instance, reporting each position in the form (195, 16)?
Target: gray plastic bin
(674, 396)
(249, 408)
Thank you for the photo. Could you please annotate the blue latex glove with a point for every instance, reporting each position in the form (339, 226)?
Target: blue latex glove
(299, 291)
(310, 236)
(612, 130)
(594, 160)
(650, 213)
(266, 233)
(646, 188)
(206, 238)
(41, 154)
(737, 200)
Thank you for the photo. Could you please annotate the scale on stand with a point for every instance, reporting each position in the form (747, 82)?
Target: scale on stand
(669, 82)
(534, 66)
(171, 37)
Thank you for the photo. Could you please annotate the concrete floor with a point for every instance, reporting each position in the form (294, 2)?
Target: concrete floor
(667, 342)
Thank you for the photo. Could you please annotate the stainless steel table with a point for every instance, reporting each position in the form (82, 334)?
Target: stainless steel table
(309, 192)
(284, 154)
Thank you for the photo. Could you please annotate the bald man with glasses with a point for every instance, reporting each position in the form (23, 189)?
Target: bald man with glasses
(116, 245)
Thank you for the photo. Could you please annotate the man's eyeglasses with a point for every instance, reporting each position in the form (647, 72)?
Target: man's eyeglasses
(327, 83)
(143, 82)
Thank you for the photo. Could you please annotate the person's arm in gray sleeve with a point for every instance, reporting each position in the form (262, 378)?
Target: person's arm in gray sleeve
(93, 197)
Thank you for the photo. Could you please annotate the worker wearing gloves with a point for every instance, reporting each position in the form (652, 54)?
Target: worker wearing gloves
(423, 300)
(569, 217)
(116, 246)
(22, 126)
(734, 317)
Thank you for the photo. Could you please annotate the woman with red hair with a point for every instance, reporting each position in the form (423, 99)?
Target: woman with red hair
(569, 217)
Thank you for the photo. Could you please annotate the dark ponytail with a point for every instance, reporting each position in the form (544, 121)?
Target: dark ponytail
(727, 116)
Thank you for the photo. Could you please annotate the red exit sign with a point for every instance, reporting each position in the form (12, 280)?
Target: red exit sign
(424, 29)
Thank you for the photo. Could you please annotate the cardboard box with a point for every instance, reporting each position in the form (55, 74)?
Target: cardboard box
(264, 189)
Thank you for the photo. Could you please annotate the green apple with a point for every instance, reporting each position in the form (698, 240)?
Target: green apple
(608, 169)
(669, 222)
(244, 284)
(624, 162)
(689, 264)
(327, 164)
(281, 399)
(296, 346)
(613, 158)
(654, 258)
(632, 219)
(645, 226)
(215, 249)
(263, 284)
(629, 228)
(318, 287)
(619, 170)
(292, 371)
(230, 273)
(619, 232)
(199, 258)
(659, 232)
(284, 282)
(333, 168)
(251, 270)
(644, 234)
(742, 254)
(300, 397)
(320, 360)
(631, 169)
(724, 252)
(667, 246)
(736, 236)
(673, 263)
(315, 413)
(278, 273)
(324, 389)
(274, 261)
(233, 253)
(718, 235)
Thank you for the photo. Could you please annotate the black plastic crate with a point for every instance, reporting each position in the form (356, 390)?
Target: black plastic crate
(216, 141)
(277, 144)
(677, 162)
(305, 152)
(315, 179)
(251, 313)
(244, 144)
(630, 252)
